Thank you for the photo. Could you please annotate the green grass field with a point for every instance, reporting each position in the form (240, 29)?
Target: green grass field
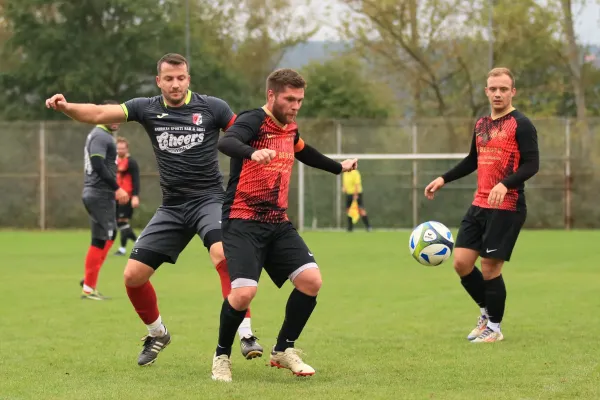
(385, 327)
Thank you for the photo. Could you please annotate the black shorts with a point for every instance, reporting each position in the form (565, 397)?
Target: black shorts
(124, 211)
(493, 233)
(101, 211)
(251, 246)
(172, 227)
(359, 200)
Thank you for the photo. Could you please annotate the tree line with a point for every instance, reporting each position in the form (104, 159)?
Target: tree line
(404, 58)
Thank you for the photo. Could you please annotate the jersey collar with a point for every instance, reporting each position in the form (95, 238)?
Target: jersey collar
(103, 127)
(188, 98)
(270, 114)
(503, 114)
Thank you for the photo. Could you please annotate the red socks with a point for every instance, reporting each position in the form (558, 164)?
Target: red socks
(226, 282)
(144, 301)
(93, 263)
(107, 247)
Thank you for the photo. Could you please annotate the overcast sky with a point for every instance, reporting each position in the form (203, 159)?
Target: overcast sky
(587, 20)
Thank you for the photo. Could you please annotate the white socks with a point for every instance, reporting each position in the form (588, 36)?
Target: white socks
(245, 330)
(87, 289)
(157, 329)
(483, 312)
(495, 326)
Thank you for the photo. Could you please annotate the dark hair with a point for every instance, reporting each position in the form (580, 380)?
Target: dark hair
(502, 71)
(172, 59)
(279, 79)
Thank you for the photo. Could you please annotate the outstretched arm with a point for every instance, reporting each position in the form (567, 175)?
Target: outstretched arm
(88, 113)
(314, 158)
(465, 167)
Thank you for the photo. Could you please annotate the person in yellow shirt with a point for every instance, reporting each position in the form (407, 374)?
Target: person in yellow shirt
(352, 188)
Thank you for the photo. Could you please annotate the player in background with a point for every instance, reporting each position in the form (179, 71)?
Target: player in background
(128, 177)
(352, 187)
(504, 152)
(263, 144)
(184, 128)
(100, 189)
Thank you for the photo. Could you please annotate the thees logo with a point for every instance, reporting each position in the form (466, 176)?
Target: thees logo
(178, 143)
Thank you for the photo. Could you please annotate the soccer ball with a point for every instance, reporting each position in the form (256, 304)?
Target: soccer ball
(431, 243)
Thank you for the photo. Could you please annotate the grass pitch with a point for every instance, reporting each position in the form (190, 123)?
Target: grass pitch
(384, 327)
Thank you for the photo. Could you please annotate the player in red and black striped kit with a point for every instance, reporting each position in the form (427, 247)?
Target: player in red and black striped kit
(263, 144)
(128, 177)
(504, 152)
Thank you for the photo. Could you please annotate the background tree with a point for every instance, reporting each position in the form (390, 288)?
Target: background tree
(342, 88)
(88, 50)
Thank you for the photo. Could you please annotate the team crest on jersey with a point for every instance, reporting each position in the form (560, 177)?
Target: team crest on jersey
(197, 119)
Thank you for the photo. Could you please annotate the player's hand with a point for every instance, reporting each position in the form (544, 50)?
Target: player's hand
(135, 201)
(496, 196)
(57, 102)
(121, 196)
(433, 187)
(263, 156)
(349, 165)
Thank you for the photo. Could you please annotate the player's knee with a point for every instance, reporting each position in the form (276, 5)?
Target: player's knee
(464, 260)
(491, 268)
(463, 266)
(240, 298)
(216, 253)
(309, 281)
(136, 273)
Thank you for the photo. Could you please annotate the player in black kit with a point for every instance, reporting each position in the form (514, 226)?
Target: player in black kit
(184, 128)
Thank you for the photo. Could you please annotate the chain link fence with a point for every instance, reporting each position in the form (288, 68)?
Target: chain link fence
(41, 173)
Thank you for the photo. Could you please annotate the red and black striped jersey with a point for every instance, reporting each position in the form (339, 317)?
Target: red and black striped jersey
(503, 150)
(255, 191)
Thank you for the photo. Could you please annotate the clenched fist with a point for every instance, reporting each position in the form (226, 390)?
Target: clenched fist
(263, 156)
(349, 165)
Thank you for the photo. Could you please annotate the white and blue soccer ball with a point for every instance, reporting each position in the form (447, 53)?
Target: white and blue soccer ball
(431, 243)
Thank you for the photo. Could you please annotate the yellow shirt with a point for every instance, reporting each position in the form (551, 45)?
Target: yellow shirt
(350, 181)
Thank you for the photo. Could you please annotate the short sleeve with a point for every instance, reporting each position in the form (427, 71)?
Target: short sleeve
(221, 111)
(99, 145)
(134, 108)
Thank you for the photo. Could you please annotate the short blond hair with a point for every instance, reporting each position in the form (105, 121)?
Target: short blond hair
(502, 71)
(121, 139)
